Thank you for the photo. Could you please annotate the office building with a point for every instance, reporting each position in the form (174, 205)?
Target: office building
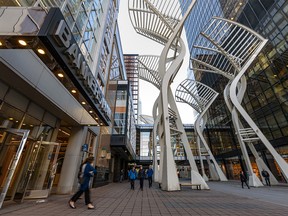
(266, 96)
(57, 60)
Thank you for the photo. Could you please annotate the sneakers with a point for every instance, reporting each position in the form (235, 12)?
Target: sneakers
(90, 206)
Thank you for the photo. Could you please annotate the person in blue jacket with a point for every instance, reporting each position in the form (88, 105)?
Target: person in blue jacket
(132, 176)
(149, 175)
(87, 172)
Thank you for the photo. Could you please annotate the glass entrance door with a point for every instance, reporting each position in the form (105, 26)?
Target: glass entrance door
(12, 144)
(37, 179)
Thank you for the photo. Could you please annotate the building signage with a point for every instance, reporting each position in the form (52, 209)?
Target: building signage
(76, 59)
(60, 40)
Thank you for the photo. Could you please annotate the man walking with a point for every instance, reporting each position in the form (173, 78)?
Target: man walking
(149, 175)
(266, 176)
(243, 179)
(132, 176)
(141, 174)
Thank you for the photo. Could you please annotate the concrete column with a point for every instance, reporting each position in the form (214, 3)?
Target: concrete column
(68, 181)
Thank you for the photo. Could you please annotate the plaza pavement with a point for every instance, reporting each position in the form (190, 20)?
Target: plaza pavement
(116, 199)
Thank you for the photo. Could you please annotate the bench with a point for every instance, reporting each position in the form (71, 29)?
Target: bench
(198, 186)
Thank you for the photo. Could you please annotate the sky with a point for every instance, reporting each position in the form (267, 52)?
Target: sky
(134, 43)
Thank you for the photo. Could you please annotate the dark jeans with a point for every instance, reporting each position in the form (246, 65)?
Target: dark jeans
(267, 179)
(150, 181)
(245, 183)
(141, 183)
(79, 193)
(132, 182)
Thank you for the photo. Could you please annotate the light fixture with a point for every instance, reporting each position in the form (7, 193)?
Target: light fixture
(240, 3)
(90, 111)
(22, 42)
(96, 118)
(41, 51)
(83, 102)
(1, 43)
(232, 18)
(60, 75)
(73, 91)
(11, 119)
(101, 123)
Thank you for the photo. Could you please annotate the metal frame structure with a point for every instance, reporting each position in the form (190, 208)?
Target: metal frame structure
(229, 48)
(162, 21)
(14, 163)
(200, 97)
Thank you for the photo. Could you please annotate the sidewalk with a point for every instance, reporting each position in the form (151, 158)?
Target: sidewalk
(115, 199)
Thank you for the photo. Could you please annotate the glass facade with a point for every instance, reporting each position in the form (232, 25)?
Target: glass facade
(266, 96)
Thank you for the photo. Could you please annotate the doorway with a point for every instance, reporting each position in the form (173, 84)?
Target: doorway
(12, 144)
(27, 167)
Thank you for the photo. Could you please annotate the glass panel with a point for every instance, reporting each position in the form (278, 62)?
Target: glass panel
(43, 169)
(13, 151)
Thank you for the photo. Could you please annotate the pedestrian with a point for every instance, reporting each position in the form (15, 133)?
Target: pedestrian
(266, 176)
(243, 179)
(121, 175)
(87, 172)
(141, 174)
(128, 171)
(132, 176)
(149, 175)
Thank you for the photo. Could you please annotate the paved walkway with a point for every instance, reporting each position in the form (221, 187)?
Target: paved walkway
(116, 199)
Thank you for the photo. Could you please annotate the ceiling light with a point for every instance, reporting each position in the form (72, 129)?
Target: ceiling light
(1, 43)
(41, 51)
(73, 91)
(232, 18)
(11, 119)
(60, 75)
(90, 111)
(22, 42)
(83, 102)
(240, 3)
(101, 123)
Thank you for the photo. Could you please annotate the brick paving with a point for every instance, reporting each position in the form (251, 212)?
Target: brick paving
(116, 199)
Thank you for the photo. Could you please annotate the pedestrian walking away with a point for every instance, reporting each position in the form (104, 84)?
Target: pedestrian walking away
(121, 175)
(266, 176)
(149, 175)
(243, 179)
(87, 172)
(132, 176)
(141, 175)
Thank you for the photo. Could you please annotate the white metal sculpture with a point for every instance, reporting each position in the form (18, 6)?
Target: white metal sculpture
(162, 21)
(229, 48)
(200, 97)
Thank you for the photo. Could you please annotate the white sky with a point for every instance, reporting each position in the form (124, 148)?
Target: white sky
(133, 43)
